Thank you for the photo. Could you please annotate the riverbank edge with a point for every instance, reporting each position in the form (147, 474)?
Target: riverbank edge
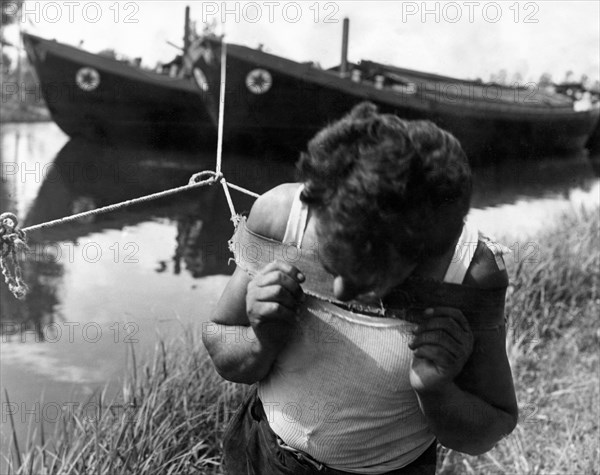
(177, 406)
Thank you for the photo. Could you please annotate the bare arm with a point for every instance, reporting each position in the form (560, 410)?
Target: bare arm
(230, 339)
(472, 413)
(463, 378)
(254, 318)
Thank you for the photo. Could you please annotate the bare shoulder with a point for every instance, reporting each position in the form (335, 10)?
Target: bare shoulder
(487, 270)
(269, 214)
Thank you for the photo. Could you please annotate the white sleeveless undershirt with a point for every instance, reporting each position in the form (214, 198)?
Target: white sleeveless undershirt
(340, 390)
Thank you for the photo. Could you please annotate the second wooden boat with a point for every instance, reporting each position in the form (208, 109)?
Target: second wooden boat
(274, 101)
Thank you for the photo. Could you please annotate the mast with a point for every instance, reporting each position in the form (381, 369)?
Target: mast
(20, 75)
(344, 64)
(186, 31)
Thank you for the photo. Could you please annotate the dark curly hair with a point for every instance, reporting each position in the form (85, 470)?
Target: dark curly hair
(382, 186)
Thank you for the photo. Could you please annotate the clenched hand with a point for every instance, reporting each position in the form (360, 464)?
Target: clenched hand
(272, 301)
(442, 345)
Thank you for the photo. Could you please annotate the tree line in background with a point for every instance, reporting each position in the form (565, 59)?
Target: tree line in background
(545, 80)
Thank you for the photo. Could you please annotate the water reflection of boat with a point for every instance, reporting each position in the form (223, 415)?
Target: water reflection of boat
(276, 100)
(86, 175)
(99, 97)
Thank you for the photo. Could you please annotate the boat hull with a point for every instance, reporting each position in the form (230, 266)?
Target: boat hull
(593, 143)
(117, 102)
(300, 99)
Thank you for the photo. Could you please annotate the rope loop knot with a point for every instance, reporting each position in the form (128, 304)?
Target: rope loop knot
(12, 241)
(205, 177)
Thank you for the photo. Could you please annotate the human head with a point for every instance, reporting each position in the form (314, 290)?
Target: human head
(384, 190)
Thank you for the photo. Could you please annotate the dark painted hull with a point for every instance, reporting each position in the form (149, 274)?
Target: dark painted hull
(127, 105)
(302, 99)
(593, 143)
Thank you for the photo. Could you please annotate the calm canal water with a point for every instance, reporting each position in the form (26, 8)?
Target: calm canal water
(100, 286)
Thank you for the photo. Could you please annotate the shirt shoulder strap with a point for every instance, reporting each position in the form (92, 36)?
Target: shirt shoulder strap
(296, 224)
(463, 254)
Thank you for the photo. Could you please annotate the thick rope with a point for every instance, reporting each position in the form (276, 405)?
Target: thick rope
(221, 105)
(198, 180)
(242, 190)
(234, 216)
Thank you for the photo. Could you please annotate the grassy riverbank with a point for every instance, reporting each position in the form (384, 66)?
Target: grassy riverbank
(178, 406)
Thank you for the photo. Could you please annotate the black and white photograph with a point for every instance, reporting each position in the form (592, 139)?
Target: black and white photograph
(300, 237)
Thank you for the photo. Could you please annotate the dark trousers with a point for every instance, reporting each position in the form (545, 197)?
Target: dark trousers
(250, 447)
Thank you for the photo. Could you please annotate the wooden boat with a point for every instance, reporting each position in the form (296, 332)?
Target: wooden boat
(272, 100)
(103, 98)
